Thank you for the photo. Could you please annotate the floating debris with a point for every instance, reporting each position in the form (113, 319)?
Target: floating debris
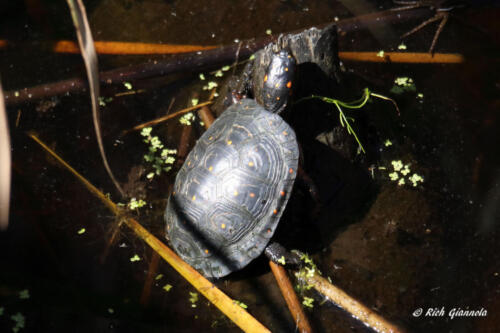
(193, 299)
(24, 294)
(308, 302)
(20, 321)
(241, 304)
(187, 119)
(81, 231)
(403, 84)
(135, 258)
(135, 204)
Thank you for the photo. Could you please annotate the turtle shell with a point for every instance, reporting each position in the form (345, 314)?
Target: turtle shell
(231, 191)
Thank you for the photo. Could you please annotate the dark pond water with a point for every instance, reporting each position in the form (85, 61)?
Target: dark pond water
(396, 247)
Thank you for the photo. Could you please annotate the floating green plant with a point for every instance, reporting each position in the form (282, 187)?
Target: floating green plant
(160, 158)
(357, 104)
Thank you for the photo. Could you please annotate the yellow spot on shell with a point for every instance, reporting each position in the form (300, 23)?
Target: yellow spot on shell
(206, 251)
(286, 69)
(223, 226)
(229, 142)
(277, 85)
(265, 78)
(194, 197)
(250, 164)
(235, 193)
(285, 133)
(210, 168)
(211, 138)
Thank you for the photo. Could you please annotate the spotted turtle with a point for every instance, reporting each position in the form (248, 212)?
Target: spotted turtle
(231, 191)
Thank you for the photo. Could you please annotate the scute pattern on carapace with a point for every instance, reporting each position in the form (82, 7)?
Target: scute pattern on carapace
(232, 189)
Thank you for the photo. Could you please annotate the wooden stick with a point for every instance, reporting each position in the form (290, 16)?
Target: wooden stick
(236, 313)
(299, 316)
(114, 47)
(404, 57)
(351, 305)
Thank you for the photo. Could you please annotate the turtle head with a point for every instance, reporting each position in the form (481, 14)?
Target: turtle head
(278, 82)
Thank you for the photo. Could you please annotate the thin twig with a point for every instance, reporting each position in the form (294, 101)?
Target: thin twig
(165, 118)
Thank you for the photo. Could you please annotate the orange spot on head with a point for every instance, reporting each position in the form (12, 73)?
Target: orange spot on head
(206, 251)
(291, 170)
(278, 98)
(252, 195)
(282, 193)
(265, 78)
(289, 84)
(275, 211)
(173, 193)
(268, 231)
(285, 133)
(286, 69)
